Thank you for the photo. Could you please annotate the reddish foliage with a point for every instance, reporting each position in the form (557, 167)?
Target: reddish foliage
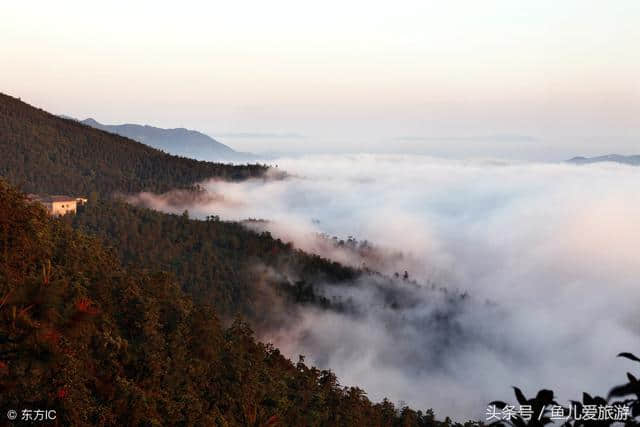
(273, 421)
(86, 306)
(3, 367)
(52, 336)
(62, 392)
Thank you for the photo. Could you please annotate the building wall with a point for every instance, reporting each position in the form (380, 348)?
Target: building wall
(61, 208)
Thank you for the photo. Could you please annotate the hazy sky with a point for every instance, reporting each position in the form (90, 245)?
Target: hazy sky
(444, 78)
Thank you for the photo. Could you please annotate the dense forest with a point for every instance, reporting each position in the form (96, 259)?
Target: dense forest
(129, 334)
(104, 344)
(43, 153)
(215, 261)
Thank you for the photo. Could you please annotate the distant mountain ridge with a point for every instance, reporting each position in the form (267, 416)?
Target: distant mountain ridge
(633, 160)
(46, 154)
(178, 141)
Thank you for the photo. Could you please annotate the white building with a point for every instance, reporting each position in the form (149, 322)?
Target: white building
(59, 205)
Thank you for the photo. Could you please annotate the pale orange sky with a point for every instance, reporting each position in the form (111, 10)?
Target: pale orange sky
(328, 76)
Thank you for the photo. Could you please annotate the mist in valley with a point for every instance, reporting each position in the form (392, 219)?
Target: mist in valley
(518, 273)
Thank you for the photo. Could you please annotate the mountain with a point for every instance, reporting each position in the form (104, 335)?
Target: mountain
(98, 344)
(110, 316)
(215, 260)
(44, 153)
(616, 158)
(180, 141)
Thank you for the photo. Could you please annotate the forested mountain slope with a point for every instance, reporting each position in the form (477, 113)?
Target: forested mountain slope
(44, 153)
(217, 262)
(129, 335)
(106, 345)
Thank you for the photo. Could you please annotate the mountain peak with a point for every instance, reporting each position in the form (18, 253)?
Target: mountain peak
(633, 160)
(178, 141)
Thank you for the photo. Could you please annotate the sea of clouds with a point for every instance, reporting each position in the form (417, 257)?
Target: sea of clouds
(549, 255)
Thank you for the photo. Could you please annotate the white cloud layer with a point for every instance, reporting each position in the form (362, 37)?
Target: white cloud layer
(547, 252)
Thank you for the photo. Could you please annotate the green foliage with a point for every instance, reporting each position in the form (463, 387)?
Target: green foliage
(43, 153)
(108, 345)
(216, 262)
(110, 336)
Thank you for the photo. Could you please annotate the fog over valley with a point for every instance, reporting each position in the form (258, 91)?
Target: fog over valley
(413, 213)
(519, 274)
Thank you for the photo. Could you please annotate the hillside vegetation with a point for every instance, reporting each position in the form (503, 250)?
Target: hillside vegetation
(217, 262)
(107, 345)
(130, 334)
(44, 153)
